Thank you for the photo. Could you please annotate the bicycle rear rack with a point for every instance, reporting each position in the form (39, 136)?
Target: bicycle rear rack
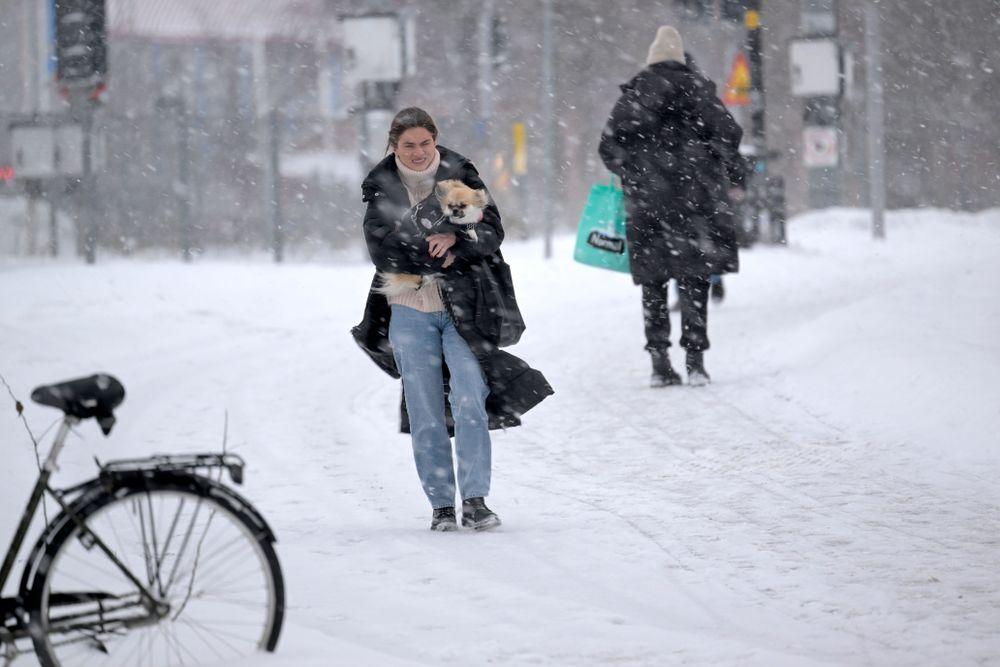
(233, 464)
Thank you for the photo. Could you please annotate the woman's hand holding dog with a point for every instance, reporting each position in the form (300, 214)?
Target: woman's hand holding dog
(440, 243)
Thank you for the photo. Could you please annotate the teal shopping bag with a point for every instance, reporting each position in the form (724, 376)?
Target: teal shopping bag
(600, 238)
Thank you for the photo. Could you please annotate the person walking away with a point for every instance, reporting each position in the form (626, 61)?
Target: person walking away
(676, 149)
(442, 338)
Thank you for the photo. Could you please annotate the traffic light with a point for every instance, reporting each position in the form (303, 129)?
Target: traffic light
(733, 10)
(693, 9)
(81, 43)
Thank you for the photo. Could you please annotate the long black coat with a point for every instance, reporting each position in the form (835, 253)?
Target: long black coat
(396, 244)
(676, 149)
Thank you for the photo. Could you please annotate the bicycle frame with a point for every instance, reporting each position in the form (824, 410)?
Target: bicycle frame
(41, 486)
(86, 584)
(110, 475)
(14, 607)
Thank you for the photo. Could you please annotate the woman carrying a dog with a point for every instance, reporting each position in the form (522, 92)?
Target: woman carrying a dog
(443, 339)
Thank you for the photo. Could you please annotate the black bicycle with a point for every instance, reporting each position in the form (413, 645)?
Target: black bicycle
(154, 561)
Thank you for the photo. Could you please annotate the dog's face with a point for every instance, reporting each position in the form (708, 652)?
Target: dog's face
(460, 202)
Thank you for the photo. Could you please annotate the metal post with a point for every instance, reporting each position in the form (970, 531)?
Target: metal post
(485, 93)
(274, 187)
(548, 125)
(874, 111)
(34, 191)
(196, 125)
(184, 179)
(29, 75)
(758, 179)
(53, 224)
(265, 140)
(84, 109)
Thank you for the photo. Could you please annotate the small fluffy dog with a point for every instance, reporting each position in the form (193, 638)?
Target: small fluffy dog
(463, 209)
(462, 206)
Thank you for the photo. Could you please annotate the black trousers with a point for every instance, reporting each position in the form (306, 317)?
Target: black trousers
(693, 294)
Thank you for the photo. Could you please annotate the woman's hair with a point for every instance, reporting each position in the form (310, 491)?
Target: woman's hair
(407, 119)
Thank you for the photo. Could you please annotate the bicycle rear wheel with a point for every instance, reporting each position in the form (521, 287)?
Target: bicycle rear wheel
(214, 583)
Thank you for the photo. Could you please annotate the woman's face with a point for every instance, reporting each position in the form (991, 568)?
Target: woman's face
(415, 148)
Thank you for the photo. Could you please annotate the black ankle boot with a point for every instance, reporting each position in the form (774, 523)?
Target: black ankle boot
(718, 291)
(444, 519)
(695, 364)
(664, 374)
(477, 516)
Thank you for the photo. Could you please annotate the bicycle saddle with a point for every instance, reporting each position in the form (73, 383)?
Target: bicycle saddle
(95, 396)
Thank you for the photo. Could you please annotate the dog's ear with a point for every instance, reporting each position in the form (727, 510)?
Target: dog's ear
(441, 189)
(481, 198)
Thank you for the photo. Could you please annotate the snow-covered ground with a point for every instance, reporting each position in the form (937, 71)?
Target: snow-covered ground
(831, 498)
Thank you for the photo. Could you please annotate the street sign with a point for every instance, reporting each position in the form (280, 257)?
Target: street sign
(738, 85)
(816, 67)
(820, 147)
(375, 48)
(47, 148)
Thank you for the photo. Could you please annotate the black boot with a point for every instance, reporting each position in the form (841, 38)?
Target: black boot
(444, 519)
(664, 374)
(476, 515)
(718, 291)
(695, 364)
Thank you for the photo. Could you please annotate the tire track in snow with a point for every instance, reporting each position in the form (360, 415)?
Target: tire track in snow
(833, 526)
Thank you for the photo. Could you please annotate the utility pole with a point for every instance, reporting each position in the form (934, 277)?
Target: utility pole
(874, 111)
(548, 124)
(274, 169)
(81, 67)
(32, 63)
(484, 35)
(174, 112)
(184, 178)
(53, 224)
(268, 148)
(82, 111)
(758, 178)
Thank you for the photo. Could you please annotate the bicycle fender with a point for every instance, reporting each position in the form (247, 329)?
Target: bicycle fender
(126, 481)
(140, 480)
(87, 494)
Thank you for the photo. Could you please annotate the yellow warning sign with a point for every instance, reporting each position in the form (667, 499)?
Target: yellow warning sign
(738, 86)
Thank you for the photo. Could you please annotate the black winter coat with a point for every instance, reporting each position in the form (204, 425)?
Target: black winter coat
(476, 288)
(676, 149)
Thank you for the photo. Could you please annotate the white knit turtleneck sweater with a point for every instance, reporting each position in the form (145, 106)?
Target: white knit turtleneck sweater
(419, 184)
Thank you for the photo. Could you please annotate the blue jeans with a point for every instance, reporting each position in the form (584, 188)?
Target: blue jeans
(419, 343)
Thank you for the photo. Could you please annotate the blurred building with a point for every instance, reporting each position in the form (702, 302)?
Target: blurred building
(941, 77)
(218, 70)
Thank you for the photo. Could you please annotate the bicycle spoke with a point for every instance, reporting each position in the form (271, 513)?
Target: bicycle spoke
(145, 544)
(214, 594)
(170, 536)
(155, 548)
(172, 633)
(126, 555)
(195, 626)
(199, 634)
(184, 544)
(194, 569)
(220, 576)
(217, 558)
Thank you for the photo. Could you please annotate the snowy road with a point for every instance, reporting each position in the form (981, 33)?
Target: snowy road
(830, 499)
